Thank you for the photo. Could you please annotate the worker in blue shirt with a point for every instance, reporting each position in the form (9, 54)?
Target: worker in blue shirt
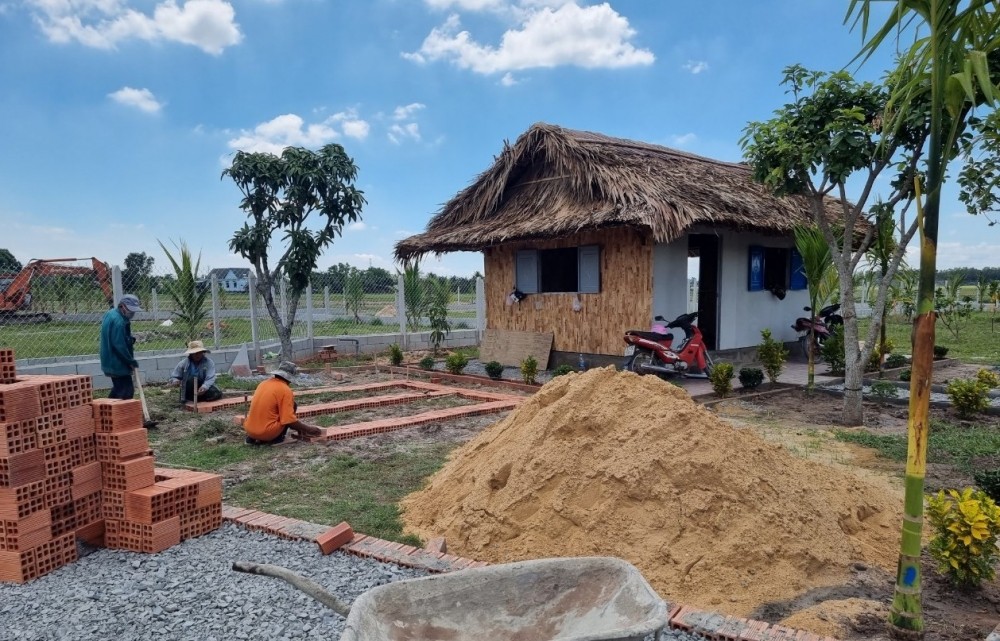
(117, 343)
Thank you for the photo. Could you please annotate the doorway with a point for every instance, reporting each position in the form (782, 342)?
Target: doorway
(703, 285)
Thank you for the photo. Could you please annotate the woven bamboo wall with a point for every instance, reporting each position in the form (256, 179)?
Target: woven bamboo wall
(625, 301)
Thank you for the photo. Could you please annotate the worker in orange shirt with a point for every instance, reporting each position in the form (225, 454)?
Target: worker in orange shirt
(272, 410)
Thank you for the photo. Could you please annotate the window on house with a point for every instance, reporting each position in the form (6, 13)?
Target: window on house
(775, 268)
(568, 269)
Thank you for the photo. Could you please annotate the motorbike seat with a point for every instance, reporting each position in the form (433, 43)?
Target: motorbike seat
(650, 336)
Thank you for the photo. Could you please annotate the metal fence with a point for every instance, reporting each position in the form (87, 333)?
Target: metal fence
(224, 309)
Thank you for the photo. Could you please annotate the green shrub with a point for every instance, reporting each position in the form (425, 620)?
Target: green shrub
(833, 351)
(772, 355)
(989, 482)
(529, 370)
(377, 322)
(494, 370)
(395, 355)
(427, 363)
(905, 374)
(964, 544)
(988, 377)
(968, 396)
(892, 361)
(456, 362)
(562, 370)
(940, 351)
(751, 377)
(883, 391)
(722, 379)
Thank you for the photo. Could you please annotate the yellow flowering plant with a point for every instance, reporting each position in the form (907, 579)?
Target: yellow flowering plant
(966, 525)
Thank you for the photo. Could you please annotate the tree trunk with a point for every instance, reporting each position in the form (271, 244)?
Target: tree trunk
(854, 367)
(265, 287)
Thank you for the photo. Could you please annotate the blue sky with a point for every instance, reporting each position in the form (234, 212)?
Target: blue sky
(118, 116)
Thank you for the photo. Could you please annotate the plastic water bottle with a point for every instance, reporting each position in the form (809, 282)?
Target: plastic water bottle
(582, 363)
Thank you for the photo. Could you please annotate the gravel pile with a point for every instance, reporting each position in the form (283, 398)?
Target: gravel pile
(189, 593)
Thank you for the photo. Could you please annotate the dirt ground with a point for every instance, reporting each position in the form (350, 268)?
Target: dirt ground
(804, 425)
(858, 609)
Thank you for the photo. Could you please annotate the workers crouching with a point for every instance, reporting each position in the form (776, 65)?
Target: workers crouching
(196, 374)
(272, 410)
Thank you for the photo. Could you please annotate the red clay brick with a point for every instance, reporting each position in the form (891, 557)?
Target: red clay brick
(92, 533)
(121, 445)
(130, 474)
(335, 538)
(21, 469)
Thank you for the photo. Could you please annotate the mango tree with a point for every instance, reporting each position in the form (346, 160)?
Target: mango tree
(832, 131)
(281, 194)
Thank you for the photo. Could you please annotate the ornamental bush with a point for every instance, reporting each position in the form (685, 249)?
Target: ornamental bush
(966, 525)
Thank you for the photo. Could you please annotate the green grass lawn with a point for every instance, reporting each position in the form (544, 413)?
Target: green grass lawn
(952, 444)
(364, 493)
(978, 340)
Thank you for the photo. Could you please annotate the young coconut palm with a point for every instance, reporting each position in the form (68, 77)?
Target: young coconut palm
(184, 291)
(948, 61)
(817, 263)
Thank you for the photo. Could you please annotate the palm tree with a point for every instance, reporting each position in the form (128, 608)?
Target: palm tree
(188, 296)
(948, 65)
(817, 262)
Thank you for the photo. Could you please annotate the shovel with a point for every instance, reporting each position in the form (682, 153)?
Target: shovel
(148, 423)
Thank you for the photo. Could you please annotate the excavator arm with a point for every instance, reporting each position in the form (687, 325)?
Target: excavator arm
(17, 295)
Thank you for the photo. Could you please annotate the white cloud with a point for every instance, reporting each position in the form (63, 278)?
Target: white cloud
(407, 112)
(399, 133)
(958, 254)
(141, 99)
(290, 130)
(695, 66)
(508, 80)
(357, 226)
(207, 24)
(468, 5)
(683, 140)
(590, 37)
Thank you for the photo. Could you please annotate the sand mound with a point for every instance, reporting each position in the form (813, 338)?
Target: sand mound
(607, 463)
(834, 618)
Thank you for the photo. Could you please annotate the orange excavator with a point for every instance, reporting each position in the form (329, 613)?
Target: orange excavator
(15, 291)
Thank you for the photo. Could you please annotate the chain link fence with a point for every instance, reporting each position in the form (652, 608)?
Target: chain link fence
(61, 317)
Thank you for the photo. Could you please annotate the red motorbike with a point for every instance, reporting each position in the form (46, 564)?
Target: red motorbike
(821, 324)
(654, 352)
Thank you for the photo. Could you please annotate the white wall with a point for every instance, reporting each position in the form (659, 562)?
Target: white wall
(670, 287)
(743, 313)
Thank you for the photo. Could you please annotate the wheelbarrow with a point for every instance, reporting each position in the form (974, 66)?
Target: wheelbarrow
(563, 599)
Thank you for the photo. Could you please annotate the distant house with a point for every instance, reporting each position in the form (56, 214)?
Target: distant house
(231, 279)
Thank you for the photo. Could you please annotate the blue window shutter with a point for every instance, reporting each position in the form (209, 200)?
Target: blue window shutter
(798, 280)
(526, 271)
(589, 269)
(755, 270)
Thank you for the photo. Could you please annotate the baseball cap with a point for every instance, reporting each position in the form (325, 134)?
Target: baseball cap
(131, 303)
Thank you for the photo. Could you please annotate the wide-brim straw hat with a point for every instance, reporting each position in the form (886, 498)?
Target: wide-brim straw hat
(195, 347)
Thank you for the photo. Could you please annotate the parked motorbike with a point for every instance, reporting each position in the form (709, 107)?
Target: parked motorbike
(821, 324)
(654, 352)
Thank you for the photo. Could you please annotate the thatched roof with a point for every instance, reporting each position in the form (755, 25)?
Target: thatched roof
(555, 182)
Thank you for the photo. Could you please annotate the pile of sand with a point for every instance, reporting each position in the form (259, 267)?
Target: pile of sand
(606, 463)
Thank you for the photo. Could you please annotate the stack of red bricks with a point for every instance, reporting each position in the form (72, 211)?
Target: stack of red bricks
(72, 467)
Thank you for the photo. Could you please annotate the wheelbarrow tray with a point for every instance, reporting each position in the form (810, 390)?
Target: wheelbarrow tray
(564, 599)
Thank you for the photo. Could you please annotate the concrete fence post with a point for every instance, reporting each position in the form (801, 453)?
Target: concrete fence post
(254, 334)
(283, 296)
(326, 302)
(155, 304)
(215, 311)
(116, 284)
(480, 309)
(401, 311)
(309, 314)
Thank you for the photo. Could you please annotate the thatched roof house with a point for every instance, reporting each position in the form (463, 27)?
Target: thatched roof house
(598, 232)
(555, 181)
